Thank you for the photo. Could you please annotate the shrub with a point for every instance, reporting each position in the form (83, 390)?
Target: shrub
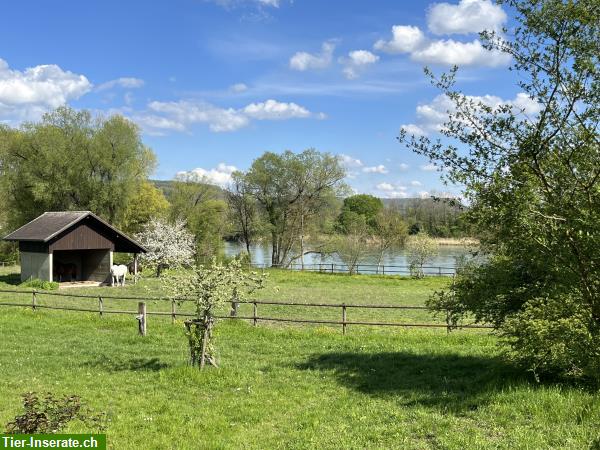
(36, 283)
(50, 414)
(554, 335)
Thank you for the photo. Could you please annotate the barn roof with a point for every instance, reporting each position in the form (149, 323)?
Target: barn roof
(50, 224)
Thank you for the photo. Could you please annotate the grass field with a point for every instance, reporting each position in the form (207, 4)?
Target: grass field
(292, 387)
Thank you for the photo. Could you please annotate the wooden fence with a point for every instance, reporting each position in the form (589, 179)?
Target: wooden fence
(142, 313)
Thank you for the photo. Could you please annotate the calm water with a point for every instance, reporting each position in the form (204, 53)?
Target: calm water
(446, 259)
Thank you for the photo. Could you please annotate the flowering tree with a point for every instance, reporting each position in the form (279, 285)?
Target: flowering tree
(168, 244)
(210, 287)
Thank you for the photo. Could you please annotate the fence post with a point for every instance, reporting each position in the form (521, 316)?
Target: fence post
(33, 300)
(173, 317)
(100, 306)
(440, 271)
(254, 312)
(331, 267)
(383, 269)
(343, 318)
(448, 321)
(141, 317)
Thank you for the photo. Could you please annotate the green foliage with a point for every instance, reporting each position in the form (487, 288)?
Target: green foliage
(51, 414)
(149, 202)
(69, 161)
(210, 287)
(36, 283)
(533, 184)
(202, 208)
(293, 190)
(555, 335)
(364, 205)
(421, 248)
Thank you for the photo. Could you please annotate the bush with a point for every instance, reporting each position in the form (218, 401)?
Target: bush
(50, 414)
(554, 335)
(35, 283)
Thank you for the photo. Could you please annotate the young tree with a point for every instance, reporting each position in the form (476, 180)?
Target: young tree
(291, 188)
(390, 232)
(352, 246)
(169, 245)
(210, 287)
(421, 248)
(533, 183)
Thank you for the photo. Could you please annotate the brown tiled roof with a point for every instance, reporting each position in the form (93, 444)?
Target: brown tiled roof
(51, 224)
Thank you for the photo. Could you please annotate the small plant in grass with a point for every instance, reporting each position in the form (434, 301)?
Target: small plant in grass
(50, 414)
(35, 283)
(210, 287)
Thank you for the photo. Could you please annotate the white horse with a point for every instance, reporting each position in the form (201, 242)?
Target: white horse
(118, 274)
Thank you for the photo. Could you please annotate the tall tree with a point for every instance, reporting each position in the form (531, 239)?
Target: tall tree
(292, 188)
(533, 181)
(69, 161)
(243, 210)
(203, 208)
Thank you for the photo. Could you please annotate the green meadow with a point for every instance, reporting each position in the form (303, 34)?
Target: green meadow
(289, 386)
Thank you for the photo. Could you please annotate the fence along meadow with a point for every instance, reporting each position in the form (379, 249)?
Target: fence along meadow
(142, 312)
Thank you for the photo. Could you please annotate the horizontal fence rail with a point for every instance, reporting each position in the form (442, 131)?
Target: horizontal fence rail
(364, 269)
(255, 318)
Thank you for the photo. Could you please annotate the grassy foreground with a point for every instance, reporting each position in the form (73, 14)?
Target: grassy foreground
(292, 387)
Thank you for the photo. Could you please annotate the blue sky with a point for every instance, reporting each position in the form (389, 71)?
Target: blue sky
(215, 83)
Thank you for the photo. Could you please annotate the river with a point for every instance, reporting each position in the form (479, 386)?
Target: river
(394, 262)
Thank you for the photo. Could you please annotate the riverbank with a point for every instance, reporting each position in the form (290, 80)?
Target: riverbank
(459, 242)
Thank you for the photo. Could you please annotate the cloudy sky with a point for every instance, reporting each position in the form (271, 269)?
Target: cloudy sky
(215, 83)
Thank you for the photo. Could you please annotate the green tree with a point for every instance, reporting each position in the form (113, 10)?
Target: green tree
(390, 232)
(69, 161)
(533, 182)
(148, 203)
(365, 205)
(292, 189)
(243, 211)
(203, 208)
(421, 248)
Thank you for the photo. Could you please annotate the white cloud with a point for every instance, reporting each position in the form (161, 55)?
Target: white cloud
(375, 169)
(274, 3)
(230, 4)
(123, 82)
(180, 115)
(429, 167)
(238, 87)
(219, 176)
(357, 61)
(405, 39)
(25, 95)
(424, 194)
(469, 16)
(274, 110)
(416, 183)
(432, 116)
(385, 187)
(306, 61)
(185, 113)
(403, 166)
(397, 194)
(450, 52)
(349, 162)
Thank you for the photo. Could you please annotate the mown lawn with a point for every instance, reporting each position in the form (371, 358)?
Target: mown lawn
(293, 387)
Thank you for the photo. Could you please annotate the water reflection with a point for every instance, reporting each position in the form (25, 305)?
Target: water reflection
(443, 263)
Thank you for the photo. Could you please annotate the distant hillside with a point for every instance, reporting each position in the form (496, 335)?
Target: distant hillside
(166, 186)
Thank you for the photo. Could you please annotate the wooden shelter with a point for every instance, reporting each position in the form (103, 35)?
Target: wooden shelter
(70, 246)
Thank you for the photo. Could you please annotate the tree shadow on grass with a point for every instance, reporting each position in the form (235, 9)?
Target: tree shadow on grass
(13, 279)
(449, 382)
(135, 364)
